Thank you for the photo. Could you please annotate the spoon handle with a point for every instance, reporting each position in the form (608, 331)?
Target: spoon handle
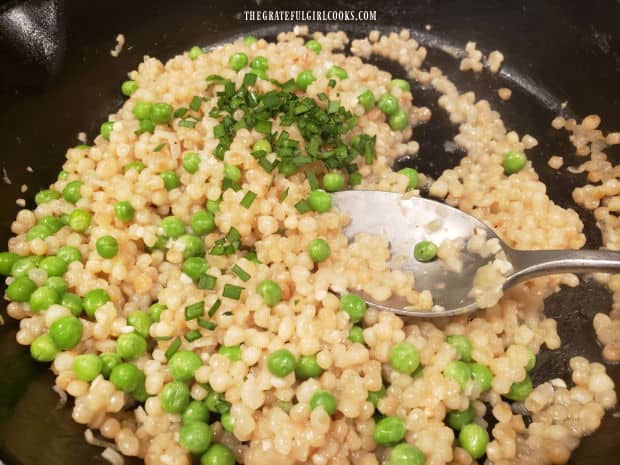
(531, 263)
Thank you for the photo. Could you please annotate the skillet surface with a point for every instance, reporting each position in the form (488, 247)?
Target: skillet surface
(60, 79)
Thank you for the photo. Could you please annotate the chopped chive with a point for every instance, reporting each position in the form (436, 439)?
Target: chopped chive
(207, 282)
(194, 310)
(196, 102)
(227, 314)
(234, 237)
(312, 180)
(247, 199)
(266, 165)
(215, 77)
(187, 123)
(284, 195)
(322, 96)
(232, 292)
(191, 336)
(333, 106)
(331, 83)
(180, 112)
(303, 206)
(263, 127)
(172, 349)
(217, 304)
(163, 338)
(249, 80)
(159, 147)
(206, 324)
(243, 275)
(252, 257)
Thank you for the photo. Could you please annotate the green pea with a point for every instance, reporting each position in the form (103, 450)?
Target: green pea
(259, 62)
(304, 79)
(39, 231)
(414, 177)
(389, 431)
(139, 393)
(108, 362)
(399, 83)
(161, 113)
(172, 227)
(406, 454)
(54, 266)
(141, 321)
(337, 71)
(404, 358)
(43, 349)
(21, 289)
(213, 206)
(130, 346)
(58, 284)
(22, 266)
(66, 332)
(474, 439)
(63, 175)
(126, 377)
(128, 88)
(250, 40)
(356, 335)
(134, 165)
(462, 346)
(307, 367)
(45, 196)
(375, 396)
(7, 259)
(52, 223)
(270, 292)
(482, 374)
(324, 399)
(218, 454)
(320, 201)
(354, 306)
(314, 46)
(93, 300)
(196, 437)
(232, 172)
(238, 61)
(69, 254)
(228, 422)
(79, 220)
(175, 397)
(192, 245)
(531, 362)
(520, 390)
(183, 364)
(216, 403)
(87, 366)
(262, 145)
(124, 211)
(106, 129)
(195, 411)
(388, 104)
(319, 250)
(42, 299)
(457, 419)
(72, 192)
(203, 222)
(194, 267)
(281, 362)
(142, 110)
(458, 371)
(171, 180)
(191, 162)
(232, 352)
(425, 251)
(71, 301)
(194, 52)
(366, 99)
(107, 247)
(399, 121)
(514, 162)
(333, 182)
(155, 311)
(147, 125)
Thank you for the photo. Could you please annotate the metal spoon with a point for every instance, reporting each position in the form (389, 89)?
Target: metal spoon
(405, 222)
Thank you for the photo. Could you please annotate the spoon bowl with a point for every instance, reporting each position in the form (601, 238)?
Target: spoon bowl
(407, 220)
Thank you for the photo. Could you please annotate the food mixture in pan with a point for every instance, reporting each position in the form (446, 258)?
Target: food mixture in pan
(179, 274)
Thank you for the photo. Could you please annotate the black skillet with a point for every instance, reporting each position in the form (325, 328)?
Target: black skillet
(57, 78)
